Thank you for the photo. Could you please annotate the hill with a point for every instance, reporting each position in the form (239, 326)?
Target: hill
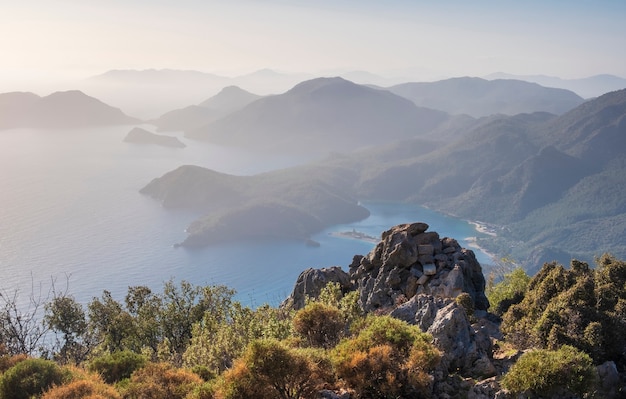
(479, 97)
(271, 205)
(58, 110)
(321, 114)
(588, 87)
(555, 184)
(229, 99)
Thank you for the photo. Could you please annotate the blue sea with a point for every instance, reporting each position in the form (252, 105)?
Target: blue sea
(72, 218)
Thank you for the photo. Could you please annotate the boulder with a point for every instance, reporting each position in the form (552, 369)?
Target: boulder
(311, 282)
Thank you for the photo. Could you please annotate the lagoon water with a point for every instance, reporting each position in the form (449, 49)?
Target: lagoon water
(71, 212)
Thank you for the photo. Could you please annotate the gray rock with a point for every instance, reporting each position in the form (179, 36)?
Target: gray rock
(311, 282)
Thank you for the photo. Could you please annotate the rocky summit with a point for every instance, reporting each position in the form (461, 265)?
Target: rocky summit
(415, 275)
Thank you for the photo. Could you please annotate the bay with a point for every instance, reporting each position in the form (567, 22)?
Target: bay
(71, 213)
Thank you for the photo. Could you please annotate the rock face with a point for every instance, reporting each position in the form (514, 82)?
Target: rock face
(415, 276)
(311, 281)
(141, 136)
(409, 261)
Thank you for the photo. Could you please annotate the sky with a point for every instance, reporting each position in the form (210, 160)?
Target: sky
(46, 40)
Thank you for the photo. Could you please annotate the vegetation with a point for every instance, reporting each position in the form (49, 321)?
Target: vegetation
(546, 373)
(198, 343)
(580, 306)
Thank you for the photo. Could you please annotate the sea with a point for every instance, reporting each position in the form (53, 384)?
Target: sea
(72, 220)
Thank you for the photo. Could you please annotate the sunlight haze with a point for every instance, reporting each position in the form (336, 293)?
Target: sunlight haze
(44, 41)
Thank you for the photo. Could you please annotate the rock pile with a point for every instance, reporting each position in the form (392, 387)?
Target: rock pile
(409, 261)
(415, 276)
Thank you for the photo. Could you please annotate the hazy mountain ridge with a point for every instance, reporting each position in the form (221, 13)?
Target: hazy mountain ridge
(326, 114)
(479, 97)
(67, 109)
(587, 87)
(531, 173)
(229, 99)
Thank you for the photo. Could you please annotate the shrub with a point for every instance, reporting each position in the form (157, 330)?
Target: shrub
(321, 325)
(8, 361)
(91, 388)
(387, 358)
(271, 369)
(547, 373)
(117, 366)
(161, 381)
(29, 378)
(507, 292)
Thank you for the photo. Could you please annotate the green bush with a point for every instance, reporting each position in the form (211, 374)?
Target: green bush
(30, 378)
(117, 366)
(547, 373)
(507, 292)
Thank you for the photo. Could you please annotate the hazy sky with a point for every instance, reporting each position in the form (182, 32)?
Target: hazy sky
(48, 39)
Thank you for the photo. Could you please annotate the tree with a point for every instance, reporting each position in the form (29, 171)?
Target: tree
(65, 316)
(109, 323)
(21, 330)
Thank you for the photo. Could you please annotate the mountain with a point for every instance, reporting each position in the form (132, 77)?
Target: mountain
(278, 204)
(67, 109)
(592, 86)
(555, 184)
(150, 93)
(229, 99)
(479, 97)
(551, 185)
(322, 114)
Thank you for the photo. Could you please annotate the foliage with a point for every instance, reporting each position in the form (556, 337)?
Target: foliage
(321, 325)
(547, 373)
(507, 292)
(65, 316)
(581, 307)
(85, 386)
(465, 301)
(29, 378)
(221, 337)
(117, 366)
(161, 381)
(387, 358)
(270, 369)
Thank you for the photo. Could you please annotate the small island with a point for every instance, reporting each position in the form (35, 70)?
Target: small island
(141, 136)
(356, 235)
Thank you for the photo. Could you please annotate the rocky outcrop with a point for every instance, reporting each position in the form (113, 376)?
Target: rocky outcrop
(415, 275)
(310, 284)
(409, 260)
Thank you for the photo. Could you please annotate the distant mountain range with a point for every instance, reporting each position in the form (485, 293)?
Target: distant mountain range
(327, 114)
(150, 93)
(58, 110)
(479, 97)
(589, 87)
(555, 185)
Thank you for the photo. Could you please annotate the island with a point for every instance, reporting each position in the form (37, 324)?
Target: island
(356, 235)
(141, 136)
